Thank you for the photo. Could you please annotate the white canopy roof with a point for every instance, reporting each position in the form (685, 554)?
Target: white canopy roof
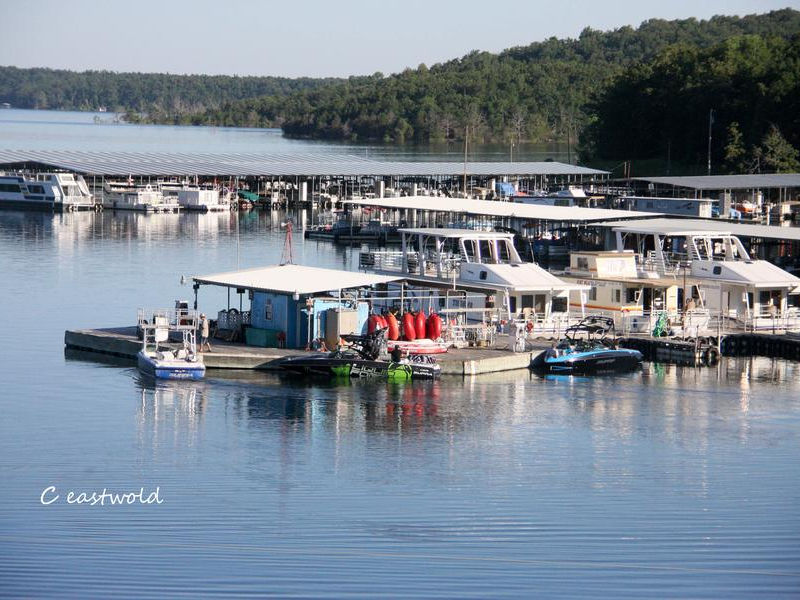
(496, 208)
(290, 279)
(673, 227)
(443, 232)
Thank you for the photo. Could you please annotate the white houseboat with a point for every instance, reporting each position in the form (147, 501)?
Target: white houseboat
(633, 297)
(670, 270)
(125, 195)
(201, 198)
(59, 191)
(479, 262)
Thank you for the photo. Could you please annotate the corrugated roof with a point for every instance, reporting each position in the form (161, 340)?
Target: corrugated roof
(454, 233)
(729, 182)
(683, 226)
(496, 208)
(270, 165)
(288, 279)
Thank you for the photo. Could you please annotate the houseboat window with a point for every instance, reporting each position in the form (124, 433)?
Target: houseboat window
(483, 275)
(617, 296)
(487, 256)
(9, 187)
(793, 301)
(631, 296)
(717, 270)
(470, 250)
(503, 251)
(539, 302)
(527, 301)
(512, 301)
(558, 305)
(582, 263)
(593, 293)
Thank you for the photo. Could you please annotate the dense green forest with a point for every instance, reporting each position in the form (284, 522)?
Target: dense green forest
(536, 92)
(643, 93)
(161, 96)
(663, 108)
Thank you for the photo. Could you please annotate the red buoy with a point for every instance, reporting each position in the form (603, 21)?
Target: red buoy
(434, 329)
(419, 324)
(394, 327)
(409, 330)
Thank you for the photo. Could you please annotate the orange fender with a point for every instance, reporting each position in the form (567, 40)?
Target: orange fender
(409, 330)
(394, 327)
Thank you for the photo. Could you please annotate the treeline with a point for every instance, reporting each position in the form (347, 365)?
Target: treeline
(536, 92)
(158, 96)
(747, 88)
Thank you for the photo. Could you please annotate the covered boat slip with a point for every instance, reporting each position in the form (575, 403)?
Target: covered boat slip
(532, 220)
(314, 177)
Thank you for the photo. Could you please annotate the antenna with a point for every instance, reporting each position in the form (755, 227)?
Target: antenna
(286, 255)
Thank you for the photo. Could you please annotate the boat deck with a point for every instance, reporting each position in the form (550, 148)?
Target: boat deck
(122, 342)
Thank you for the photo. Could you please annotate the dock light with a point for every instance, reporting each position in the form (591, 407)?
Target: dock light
(296, 296)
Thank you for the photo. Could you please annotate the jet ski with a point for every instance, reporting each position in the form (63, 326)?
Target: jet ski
(361, 359)
(593, 354)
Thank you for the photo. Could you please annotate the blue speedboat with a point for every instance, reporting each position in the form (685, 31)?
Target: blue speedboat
(595, 353)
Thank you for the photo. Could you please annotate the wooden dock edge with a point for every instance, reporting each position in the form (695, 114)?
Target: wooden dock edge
(101, 342)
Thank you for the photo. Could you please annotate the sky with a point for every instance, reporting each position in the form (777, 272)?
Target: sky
(314, 38)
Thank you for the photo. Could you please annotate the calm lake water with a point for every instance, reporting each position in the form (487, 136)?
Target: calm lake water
(672, 482)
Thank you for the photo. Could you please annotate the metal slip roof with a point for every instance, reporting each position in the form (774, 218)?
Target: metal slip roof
(502, 209)
(243, 164)
(669, 199)
(729, 182)
(454, 233)
(288, 279)
(684, 226)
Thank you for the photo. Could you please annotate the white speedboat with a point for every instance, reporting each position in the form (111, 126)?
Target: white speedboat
(163, 362)
(58, 191)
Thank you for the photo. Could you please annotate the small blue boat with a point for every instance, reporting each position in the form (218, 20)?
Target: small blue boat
(165, 363)
(594, 354)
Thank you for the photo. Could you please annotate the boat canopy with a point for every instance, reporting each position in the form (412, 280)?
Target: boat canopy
(293, 279)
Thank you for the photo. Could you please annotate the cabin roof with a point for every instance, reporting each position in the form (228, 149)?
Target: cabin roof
(665, 226)
(288, 279)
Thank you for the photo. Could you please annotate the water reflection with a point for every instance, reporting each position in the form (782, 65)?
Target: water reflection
(673, 404)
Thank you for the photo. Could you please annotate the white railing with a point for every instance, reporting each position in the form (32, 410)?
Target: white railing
(232, 319)
(385, 260)
(176, 319)
(789, 320)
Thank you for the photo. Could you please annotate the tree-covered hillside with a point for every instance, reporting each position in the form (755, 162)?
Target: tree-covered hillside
(160, 95)
(534, 92)
(662, 108)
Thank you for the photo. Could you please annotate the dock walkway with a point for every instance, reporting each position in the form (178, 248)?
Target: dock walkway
(123, 342)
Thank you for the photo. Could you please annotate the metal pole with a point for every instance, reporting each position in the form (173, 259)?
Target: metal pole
(710, 123)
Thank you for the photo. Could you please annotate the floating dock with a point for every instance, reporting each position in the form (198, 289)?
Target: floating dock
(122, 342)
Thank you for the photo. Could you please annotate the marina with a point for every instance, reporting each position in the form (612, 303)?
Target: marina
(677, 476)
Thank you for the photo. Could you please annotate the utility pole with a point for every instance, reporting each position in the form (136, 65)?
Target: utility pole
(710, 123)
(466, 143)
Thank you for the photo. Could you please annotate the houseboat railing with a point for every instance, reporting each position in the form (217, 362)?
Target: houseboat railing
(176, 319)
